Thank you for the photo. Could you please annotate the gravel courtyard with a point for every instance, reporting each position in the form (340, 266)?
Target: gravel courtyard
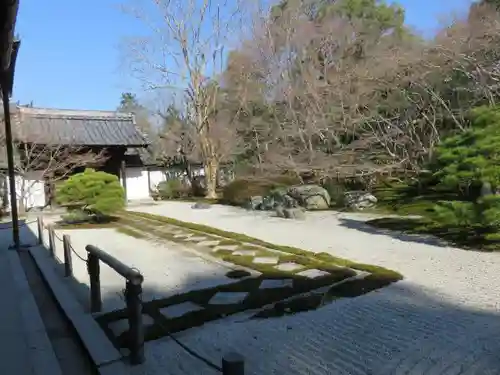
(442, 319)
(167, 270)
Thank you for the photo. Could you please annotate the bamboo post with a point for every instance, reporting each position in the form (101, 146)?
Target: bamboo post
(233, 364)
(68, 262)
(52, 242)
(133, 294)
(95, 283)
(39, 221)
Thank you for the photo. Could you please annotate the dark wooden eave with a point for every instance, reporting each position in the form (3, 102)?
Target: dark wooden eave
(8, 47)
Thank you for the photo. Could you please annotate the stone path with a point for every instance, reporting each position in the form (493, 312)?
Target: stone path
(442, 319)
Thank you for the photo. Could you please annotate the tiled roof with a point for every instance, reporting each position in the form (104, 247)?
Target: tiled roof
(74, 127)
(140, 156)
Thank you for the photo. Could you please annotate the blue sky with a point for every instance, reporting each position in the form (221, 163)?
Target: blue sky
(70, 55)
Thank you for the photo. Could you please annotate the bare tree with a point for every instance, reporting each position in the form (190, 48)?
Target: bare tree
(46, 164)
(50, 164)
(349, 101)
(184, 51)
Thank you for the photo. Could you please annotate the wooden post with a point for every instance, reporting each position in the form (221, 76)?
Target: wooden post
(52, 242)
(95, 283)
(68, 263)
(123, 173)
(39, 221)
(233, 364)
(135, 340)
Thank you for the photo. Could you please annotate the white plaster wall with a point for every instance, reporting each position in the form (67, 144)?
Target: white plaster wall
(137, 183)
(34, 191)
(156, 177)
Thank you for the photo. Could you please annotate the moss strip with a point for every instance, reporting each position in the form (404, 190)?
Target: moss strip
(285, 249)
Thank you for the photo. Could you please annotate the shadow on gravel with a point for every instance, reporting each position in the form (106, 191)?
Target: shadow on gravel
(400, 329)
(396, 234)
(397, 330)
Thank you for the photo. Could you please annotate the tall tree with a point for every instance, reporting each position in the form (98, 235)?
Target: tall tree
(185, 48)
(130, 104)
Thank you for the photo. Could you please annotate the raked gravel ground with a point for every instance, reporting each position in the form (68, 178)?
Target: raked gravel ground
(167, 270)
(442, 319)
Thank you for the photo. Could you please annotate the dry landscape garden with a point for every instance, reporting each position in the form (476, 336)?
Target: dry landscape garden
(331, 200)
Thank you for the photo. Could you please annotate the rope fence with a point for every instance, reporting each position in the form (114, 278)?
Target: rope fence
(232, 363)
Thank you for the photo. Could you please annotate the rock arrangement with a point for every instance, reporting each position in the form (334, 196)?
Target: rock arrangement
(359, 200)
(292, 202)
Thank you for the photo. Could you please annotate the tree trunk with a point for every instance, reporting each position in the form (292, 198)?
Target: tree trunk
(211, 167)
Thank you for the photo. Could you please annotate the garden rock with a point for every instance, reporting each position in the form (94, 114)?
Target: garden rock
(280, 211)
(294, 213)
(279, 197)
(311, 197)
(268, 203)
(201, 205)
(254, 203)
(359, 200)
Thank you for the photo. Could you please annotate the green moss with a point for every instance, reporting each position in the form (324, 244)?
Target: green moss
(130, 232)
(471, 238)
(301, 296)
(256, 298)
(304, 255)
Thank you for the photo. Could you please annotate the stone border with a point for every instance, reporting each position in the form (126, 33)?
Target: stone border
(42, 356)
(106, 358)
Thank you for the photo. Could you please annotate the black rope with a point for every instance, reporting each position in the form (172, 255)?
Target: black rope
(56, 236)
(77, 255)
(189, 350)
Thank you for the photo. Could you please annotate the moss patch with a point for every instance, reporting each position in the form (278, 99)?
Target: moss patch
(460, 237)
(301, 295)
(256, 298)
(241, 238)
(130, 232)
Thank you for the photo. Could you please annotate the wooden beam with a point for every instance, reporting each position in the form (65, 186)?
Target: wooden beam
(123, 173)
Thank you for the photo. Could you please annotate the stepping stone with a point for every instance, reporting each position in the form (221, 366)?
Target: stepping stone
(180, 309)
(244, 253)
(228, 298)
(177, 231)
(120, 326)
(225, 247)
(289, 266)
(266, 260)
(313, 273)
(276, 283)
(209, 243)
(195, 239)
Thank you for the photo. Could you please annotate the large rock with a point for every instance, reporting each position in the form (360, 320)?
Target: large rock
(294, 213)
(359, 200)
(201, 206)
(311, 197)
(268, 203)
(279, 197)
(254, 203)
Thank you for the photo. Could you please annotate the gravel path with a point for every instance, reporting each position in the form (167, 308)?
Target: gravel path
(442, 319)
(167, 270)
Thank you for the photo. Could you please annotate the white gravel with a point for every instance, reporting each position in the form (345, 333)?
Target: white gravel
(442, 319)
(167, 270)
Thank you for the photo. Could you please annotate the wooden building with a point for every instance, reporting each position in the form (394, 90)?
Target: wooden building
(115, 133)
